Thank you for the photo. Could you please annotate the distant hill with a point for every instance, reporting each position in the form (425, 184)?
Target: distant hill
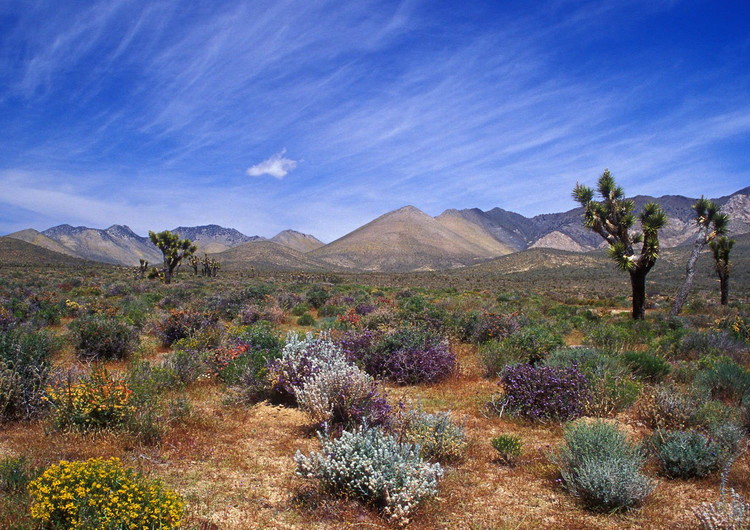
(404, 240)
(37, 238)
(117, 244)
(214, 238)
(16, 252)
(269, 255)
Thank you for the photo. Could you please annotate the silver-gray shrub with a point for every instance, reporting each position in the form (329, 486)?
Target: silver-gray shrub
(439, 436)
(301, 358)
(601, 467)
(340, 393)
(729, 512)
(375, 468)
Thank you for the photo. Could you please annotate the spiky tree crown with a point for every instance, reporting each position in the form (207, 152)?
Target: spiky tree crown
(612, 217)
(707, 217)
(721, 247)
(170, 244)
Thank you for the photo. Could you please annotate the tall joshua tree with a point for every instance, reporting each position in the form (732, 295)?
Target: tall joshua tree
(173, 248)
(612, 218)
(711, 224)
(721, 247)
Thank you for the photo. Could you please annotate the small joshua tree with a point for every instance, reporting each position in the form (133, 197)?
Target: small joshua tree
(721, 247)
(611, 218)
(711, 224)
(193, 261)
(174, 250)
(140, 271)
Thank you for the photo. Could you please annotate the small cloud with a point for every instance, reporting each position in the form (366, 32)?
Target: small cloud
(277, 166)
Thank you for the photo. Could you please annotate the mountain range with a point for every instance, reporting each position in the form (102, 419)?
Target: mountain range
(403, 240)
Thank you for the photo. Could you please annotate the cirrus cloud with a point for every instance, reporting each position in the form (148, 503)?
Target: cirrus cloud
(278, 166)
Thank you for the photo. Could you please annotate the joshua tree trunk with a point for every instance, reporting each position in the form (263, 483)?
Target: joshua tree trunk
(724, 286)
(167, 273)
(638, 283)
(682, 295)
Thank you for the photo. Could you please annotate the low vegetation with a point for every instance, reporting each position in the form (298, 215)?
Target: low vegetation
(406, 403)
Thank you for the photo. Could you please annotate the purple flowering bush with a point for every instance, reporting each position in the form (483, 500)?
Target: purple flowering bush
(543, 392)
(406, 356)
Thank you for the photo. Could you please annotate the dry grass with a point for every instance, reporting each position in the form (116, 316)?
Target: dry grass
(234, 466)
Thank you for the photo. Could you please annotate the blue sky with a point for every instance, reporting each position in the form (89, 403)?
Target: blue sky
(320, 116)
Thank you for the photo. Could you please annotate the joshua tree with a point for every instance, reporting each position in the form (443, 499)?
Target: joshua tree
(173, 248)
(721, 247)
(611, 218)
(193, 261)
(711, 224)
(140, 271)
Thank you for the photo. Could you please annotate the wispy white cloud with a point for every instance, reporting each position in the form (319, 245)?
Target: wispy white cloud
(388, 103)
(277, 166)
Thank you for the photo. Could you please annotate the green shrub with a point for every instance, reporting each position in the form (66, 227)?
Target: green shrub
(611, 338)
(647, 365)
(306, 320)
(601, 467)
(439, 437)
(496, 355)
(535, 341)
(24, 372)
(611, 387)
(317, 296)
(98, 337)
(15, 474)
(508, 446)
(300, 309)
(687, 454)
(725, 380)
(373, 467)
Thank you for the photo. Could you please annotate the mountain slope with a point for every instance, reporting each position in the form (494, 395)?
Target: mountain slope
(213, 238)
(117, 244)
(16, 252)
(37, 238)
(403, 240)
(297, 240)
(269, 255)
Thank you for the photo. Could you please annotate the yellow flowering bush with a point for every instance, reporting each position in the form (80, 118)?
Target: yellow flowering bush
(102, 493)
(98, 400)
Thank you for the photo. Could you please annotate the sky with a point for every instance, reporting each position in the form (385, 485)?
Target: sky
(322, 115)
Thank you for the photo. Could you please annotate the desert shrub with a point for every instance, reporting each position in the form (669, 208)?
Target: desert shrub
(730, 512)
(494, 326)
(329, 310)
(411, 356)
(508, 446)
(535, 341)
(7, 320)
(24, 371)
(300, 359)
(438, 436)
(180, 324)
(287, 300)
(15, 474)
(300, 309)
(668, 408)
(543, 392)
(317, 296)
(306, 320)
(647, 365)
(698, 344)
(98, 337)
(100, 493)
(375, 468)
(611, 338)
(496, 355)
(263, 347)
(611, 388)
(725, 380)
(339, 393)
(94, 401)
(601, 467)
(186, 365)
(687, 454)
